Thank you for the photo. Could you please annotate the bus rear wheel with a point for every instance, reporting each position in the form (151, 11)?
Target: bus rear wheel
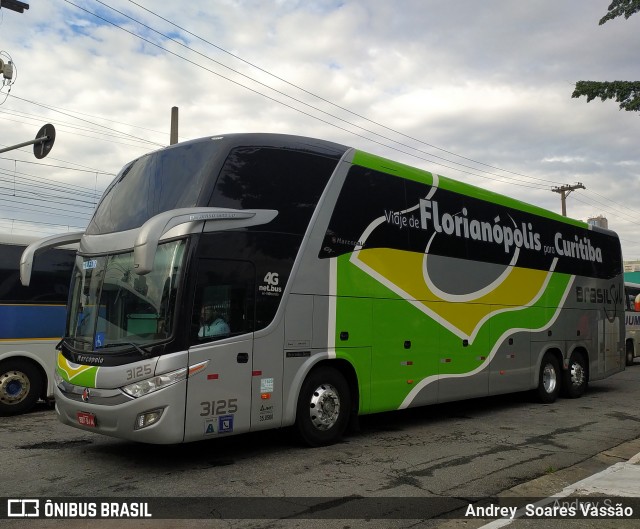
(20, 385)
(575, 378)
(630, 353)
(323, 407)
(548, 379)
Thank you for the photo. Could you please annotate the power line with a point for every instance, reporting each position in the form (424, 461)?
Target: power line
(53, 109)
(85, 170)
(500, 177)
(103, 136)
(104, 119)
(253, 65)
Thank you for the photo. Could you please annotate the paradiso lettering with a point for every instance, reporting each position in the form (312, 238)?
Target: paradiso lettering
(460, 224)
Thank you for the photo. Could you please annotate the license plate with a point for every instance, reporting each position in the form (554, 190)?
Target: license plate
(86, 419)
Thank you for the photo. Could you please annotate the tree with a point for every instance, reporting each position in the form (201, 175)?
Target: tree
(627, 93)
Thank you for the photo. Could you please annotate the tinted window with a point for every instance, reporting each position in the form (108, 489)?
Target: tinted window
(272, 255)
(160, 181)
(631, 292)
(366, 197)
(49, 279)
(263, 178)
(224, 302)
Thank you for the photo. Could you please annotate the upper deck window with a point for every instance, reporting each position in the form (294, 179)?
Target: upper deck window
(286, 180)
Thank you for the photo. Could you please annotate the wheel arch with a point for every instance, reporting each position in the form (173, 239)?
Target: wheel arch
(341, 365)
(553, 349)
(46, 389)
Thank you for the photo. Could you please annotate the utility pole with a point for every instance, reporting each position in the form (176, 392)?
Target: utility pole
(565, 191)
(173, 134)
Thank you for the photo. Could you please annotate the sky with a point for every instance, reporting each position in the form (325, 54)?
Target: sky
(476, 91)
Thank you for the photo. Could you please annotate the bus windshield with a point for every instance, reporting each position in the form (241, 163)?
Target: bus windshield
(112, 307)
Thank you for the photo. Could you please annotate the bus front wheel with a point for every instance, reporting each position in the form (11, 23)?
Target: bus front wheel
(20, 385)
(323, 407)
(548, 379)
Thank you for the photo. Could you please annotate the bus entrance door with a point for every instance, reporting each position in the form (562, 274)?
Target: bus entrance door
(219, 397)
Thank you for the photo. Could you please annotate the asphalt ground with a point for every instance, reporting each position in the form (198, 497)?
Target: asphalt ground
(610, 478)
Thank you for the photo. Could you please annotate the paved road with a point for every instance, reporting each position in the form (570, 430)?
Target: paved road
(506, 446)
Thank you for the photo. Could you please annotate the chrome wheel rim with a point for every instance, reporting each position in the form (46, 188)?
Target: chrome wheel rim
(324, 407)
(577, 374)
(549, 378)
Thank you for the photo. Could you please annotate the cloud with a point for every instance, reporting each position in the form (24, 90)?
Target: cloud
(489, 81)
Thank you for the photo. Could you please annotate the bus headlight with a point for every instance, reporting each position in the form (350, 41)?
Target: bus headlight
(149, 385)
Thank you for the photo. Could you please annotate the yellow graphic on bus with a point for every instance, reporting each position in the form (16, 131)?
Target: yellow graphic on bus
(78, 374)
(405, 272)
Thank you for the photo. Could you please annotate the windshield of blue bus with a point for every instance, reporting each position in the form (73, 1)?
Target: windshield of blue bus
(112, 307)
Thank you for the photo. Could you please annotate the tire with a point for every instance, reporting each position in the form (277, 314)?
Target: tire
(548, 379)
(323, 407)
(575, 379)
(20, 386)
(630, 353)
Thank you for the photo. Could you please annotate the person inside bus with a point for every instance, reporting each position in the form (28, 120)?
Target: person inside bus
(212, 323)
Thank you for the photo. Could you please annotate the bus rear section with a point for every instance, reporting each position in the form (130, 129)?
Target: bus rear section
(442, 291)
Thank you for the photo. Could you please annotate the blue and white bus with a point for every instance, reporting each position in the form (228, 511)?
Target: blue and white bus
(32, 321)
(632, 321)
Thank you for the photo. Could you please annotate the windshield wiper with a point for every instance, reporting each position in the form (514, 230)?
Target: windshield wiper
(143, 352)
(63, 341)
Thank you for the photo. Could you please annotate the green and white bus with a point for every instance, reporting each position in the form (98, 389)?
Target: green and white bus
(332, 283)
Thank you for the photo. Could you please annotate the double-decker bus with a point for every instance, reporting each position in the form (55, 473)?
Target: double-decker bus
(244, 282)
(632, 321)
(32, 322)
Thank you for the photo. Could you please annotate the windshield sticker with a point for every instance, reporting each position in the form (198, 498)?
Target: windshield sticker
(99, 340)
(89, 265)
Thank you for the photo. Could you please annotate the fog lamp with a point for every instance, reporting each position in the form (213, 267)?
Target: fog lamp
(147, 418)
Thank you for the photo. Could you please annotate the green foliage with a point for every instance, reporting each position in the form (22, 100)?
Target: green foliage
(619, 8)
(627, 93)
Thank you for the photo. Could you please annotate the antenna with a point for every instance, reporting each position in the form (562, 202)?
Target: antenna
(7, 69)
